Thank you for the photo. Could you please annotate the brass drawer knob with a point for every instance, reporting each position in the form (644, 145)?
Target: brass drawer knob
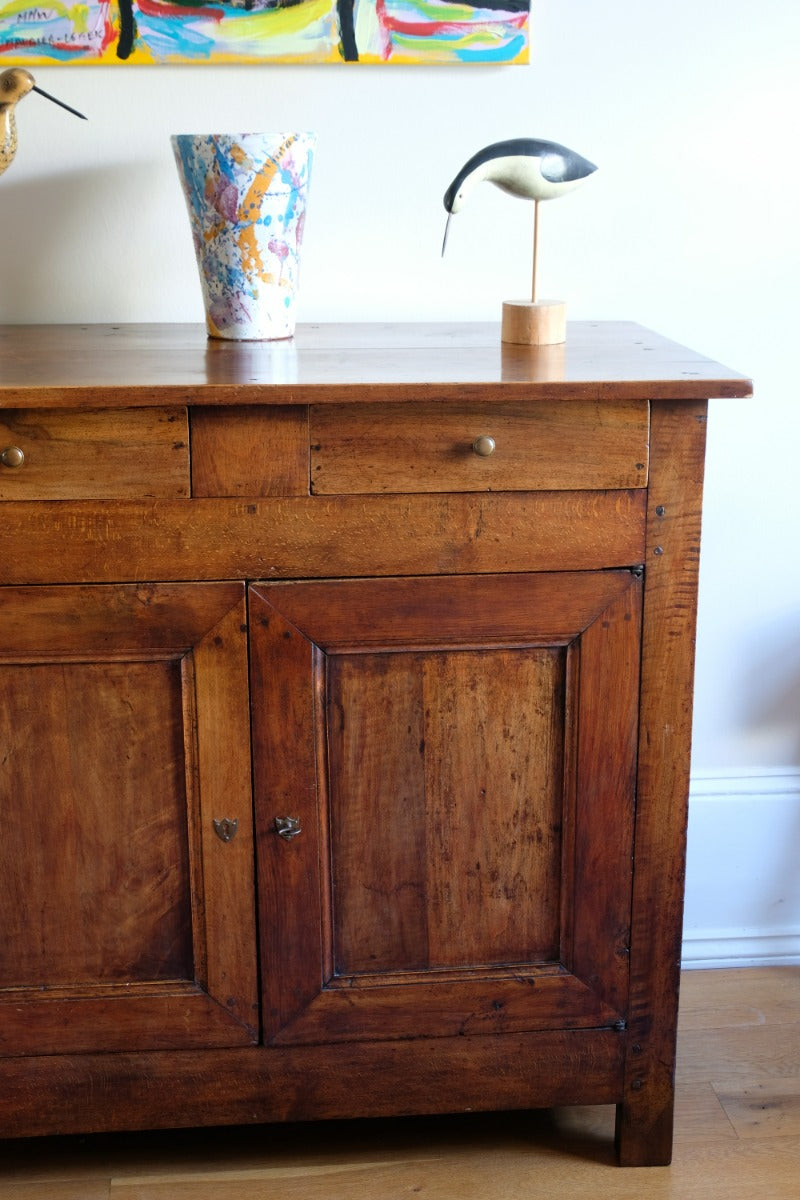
(484, 446)
(12, 456)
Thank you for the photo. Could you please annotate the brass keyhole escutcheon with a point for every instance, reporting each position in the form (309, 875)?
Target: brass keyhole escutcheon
(484, 445)
(226, 829)
(12, 457)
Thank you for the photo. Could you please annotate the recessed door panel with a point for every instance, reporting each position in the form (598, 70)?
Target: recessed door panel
(95, 825)
(460, 791)
(445, 798)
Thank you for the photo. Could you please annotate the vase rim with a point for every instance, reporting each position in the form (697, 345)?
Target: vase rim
(235, 136)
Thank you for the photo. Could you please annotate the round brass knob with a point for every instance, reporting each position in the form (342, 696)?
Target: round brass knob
(12, 456)
(484, 446)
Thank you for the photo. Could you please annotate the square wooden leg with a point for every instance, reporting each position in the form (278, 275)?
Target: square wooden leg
(644, 1137)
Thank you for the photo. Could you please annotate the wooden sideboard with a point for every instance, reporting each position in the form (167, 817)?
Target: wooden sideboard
(345, 727)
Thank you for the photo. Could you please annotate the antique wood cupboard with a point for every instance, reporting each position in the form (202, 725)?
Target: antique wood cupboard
(344, 738)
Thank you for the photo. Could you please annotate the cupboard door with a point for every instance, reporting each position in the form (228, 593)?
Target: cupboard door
(444, 783)
(127, 922)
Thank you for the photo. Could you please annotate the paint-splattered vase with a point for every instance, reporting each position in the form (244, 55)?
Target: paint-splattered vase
(246, 197)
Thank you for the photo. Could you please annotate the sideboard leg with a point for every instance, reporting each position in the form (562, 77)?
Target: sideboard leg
(644, 1137)
(677, 444)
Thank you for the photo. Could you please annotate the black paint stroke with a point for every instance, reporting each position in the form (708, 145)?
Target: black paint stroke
(347, 30)
(127, 28)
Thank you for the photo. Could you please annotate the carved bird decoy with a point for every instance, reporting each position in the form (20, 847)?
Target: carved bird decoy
(527, 167)
(15, 83)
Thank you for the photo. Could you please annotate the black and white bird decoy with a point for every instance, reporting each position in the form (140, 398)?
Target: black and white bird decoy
(15, 84)
(530, 168)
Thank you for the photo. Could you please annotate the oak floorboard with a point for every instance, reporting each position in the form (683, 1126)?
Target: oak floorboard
(700, 1172)
(745, 996)
(81, 1189)
(717, 1054)
(736, 1134)
(763, 1107)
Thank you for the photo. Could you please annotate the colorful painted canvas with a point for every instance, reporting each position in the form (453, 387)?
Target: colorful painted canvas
(256, 31)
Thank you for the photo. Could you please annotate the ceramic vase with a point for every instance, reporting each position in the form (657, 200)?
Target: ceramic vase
(246, 197)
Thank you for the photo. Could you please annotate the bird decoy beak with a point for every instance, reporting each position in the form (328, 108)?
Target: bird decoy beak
(60, 103)
(446, 228)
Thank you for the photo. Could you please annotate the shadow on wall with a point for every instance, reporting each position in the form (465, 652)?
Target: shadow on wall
(55, 234)
(772, 707)
(743, 882)
(776, 710)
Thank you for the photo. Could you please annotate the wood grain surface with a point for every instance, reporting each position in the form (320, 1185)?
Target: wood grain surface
(54, 366)
(95, 454)
(670, 608)
(255, 451)
(321, 537)
(429, 447)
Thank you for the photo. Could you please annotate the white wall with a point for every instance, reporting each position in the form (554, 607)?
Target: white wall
(691, 226)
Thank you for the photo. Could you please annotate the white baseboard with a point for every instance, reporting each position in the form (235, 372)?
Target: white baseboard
(743, 869)
(757, 949)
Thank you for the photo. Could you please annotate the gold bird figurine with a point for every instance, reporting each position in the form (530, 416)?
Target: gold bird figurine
(15, 83)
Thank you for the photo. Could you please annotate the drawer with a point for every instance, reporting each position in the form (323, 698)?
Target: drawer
(565, 445)
(93, 454)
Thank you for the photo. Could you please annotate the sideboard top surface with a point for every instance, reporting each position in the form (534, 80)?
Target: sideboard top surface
(54, 366)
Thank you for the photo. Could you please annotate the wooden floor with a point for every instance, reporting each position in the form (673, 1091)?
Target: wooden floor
(738, 1134)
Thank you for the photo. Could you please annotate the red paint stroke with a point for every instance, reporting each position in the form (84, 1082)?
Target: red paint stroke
(71, 48)
(432, 28)
(109, 33)
(154, 8)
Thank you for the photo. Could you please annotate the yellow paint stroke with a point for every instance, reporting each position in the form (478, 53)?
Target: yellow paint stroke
(18, 6)
(79, 15)
(248, 243)
(276, 22)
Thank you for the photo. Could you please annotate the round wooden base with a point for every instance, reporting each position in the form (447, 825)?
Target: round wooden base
(534, 323)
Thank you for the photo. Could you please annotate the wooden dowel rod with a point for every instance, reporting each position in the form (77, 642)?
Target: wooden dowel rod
(535, 249)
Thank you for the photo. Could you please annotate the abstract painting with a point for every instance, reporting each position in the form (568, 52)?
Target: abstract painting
(259, 31)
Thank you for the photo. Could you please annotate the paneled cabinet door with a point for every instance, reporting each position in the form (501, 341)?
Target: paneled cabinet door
(126, 920)
(444, 785)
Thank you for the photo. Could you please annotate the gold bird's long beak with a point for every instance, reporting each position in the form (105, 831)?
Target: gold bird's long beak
(60, 103)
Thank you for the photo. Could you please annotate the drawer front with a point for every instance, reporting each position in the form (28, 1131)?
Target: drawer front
(93, 454)
(479, 447)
